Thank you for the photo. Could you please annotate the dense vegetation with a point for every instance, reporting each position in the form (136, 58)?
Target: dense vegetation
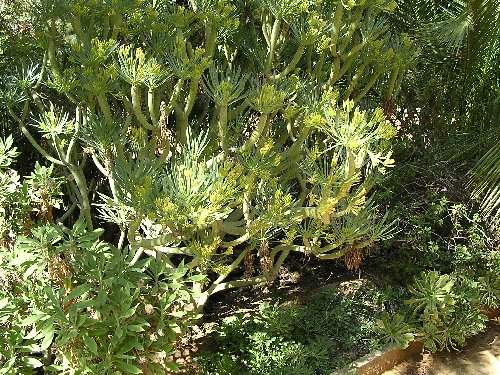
(155, 154)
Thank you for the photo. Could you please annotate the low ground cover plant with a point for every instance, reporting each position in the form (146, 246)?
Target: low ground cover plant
(333, 328)
(441, 310)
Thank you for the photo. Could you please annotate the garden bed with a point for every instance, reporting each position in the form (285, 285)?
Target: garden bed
(323, 310)
(236, 318)
(481, 355)
(382, 360)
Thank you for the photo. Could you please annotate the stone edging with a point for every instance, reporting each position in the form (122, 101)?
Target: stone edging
(379, 361)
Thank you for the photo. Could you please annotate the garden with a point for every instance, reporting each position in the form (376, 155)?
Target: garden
(254, 187)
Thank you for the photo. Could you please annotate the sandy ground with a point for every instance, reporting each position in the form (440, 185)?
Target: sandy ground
(481, 356)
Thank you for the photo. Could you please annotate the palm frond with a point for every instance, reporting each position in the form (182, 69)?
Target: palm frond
(485, 180)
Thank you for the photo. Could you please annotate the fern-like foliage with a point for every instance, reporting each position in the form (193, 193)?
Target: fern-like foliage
(485, 182)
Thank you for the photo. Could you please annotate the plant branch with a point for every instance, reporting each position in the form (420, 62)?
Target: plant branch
(135, 92)
(30, 138)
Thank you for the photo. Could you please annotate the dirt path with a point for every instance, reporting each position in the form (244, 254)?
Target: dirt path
(481, 356)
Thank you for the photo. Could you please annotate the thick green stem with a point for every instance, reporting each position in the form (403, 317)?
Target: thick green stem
(210, 38)
(159, 241)
(193, 93)
(247, 200)
(318, 69)
(81, 183)
(257, 133)
(294, 151)
(355, 51)
(266, 29)
(231, 268)
(99, 166)
(309, 54)
(303, 190)
(222, 126)
(68, 213)
(237, 241)
(52, 59)
(54, 66)
(153, 107)
(272, 45)
(336, 255)
(41, 76)
(354, 80)
(74, 138)
(293, 63)
(121, 240)
(182, 125)
(368, 86)
(78, 29)
(338, 72)
(300, 213)
(392, 82)
(104, 105)
(353, 26)
(29, 137)
(112, 186)
(253, 280)
(135, 92)
(174, 96)
(337, 19)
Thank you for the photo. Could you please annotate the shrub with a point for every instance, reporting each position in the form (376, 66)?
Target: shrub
(70, 303)
(440, 235)
(448, 266)
(270, 152)
(216, 136)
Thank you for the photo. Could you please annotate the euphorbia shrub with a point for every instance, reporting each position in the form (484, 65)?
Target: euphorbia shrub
(229, 132)
(71, 303)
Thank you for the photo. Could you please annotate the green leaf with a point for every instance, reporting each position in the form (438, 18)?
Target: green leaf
(22, 257)
(135, 328)
(125, 356)
(129, 344)
(90, 344)
(130, 312)
(77, 292)
(173, 366)
(30, 271)
(31, 334)
(118, 332)
(33, 362)
(47, 339)
(50, 293)
(32, 319)
(83, 305)
(128, 368)
(197, 278)
(178, 314)
(3, 303)
(179, 272)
